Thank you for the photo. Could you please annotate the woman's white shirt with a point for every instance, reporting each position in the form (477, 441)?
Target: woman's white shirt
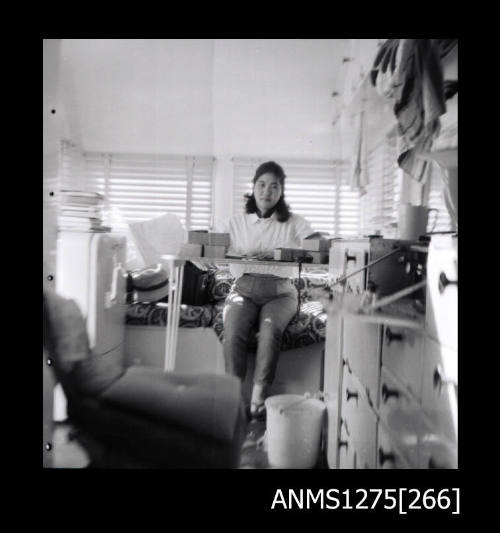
(251, 235)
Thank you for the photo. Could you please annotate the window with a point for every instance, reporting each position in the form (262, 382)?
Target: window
(317, 190)
(380, 202)
(436, 201)
(73, 167)
(140, 186)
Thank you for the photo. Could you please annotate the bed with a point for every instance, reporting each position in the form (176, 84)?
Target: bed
(201, 331)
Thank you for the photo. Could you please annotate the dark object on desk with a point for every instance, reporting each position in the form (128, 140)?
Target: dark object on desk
(320, 258)
(195, 285)
(290, 254)
(140, 417)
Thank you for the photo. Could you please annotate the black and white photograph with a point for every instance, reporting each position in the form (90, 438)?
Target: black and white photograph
(250, 258)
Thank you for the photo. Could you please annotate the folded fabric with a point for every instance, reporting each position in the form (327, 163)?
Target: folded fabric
(419, 101)
(383, 68)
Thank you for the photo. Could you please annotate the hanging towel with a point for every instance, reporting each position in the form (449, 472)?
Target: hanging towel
(383, 68)
(419, 102)
(359, 175)
(158, 236)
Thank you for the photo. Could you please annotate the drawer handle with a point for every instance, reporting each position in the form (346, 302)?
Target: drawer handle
(349, 257)
(444, 282)
(345, 362)
(344, 423)
(387, 393)
(390, 336)
(439, 380)
(383, 456)
(350, 394)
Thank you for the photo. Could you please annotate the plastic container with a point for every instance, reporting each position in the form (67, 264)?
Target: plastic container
(293, 433)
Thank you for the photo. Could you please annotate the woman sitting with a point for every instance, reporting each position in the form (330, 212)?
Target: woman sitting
(262, 294)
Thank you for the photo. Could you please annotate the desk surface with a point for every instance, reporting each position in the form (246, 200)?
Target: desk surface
(209, 261)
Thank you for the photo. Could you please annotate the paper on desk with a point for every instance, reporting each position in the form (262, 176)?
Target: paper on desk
(158, 236)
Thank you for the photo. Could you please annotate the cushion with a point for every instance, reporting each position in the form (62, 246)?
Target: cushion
(156, 314)
(309, 327)
(206, 403)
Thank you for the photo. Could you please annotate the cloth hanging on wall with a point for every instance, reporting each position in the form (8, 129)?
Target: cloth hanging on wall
(359, 174)
(410, 72)
(419, 101)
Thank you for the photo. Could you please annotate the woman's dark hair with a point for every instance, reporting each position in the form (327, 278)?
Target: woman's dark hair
(282, 208)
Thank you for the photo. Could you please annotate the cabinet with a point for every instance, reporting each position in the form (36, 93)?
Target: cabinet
(395, 376)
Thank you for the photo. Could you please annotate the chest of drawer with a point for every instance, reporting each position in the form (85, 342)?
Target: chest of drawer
(388, 455)
(346, 447)
(402, 355)
(361, 351)
(442, 293)
(440, 389)
(361, 421)
(402, 416)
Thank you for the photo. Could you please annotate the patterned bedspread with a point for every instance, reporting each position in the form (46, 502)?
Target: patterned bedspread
(307, 328)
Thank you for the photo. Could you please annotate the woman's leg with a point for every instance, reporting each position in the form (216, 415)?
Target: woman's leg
(239, 315)
(274, 318)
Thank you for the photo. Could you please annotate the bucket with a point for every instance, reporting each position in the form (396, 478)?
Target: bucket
(293, 431)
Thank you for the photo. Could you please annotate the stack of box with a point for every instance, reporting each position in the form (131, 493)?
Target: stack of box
(317, 248)
(202, 243)
(289, 254)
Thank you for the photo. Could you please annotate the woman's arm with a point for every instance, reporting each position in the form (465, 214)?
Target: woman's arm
(302, 228)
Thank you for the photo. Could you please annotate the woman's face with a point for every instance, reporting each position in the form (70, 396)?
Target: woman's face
(267, 191)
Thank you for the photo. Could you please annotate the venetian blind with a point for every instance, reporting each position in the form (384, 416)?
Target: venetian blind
(379, 204)
(436, 200)
(73, 166)
(316, 189)
(143, 186)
